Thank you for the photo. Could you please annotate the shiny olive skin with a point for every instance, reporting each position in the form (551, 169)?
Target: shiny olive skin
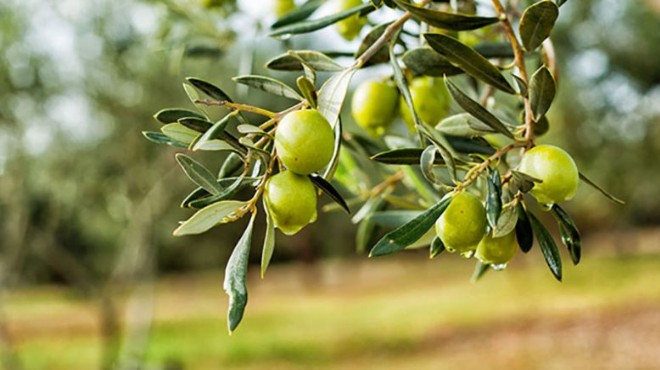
(374, 105)
(557, 171)
(291, 201)
(304, 141)
(463, 224)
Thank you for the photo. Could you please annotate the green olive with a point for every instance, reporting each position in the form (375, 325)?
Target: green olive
(463, 224)
(304, 141)
(497, 251)
(557, 171)
(374, 105)
(291, 201)
(350, 27)
(431, 101)
(282, 7)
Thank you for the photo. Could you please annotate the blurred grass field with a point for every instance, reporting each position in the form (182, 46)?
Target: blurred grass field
(388, 313)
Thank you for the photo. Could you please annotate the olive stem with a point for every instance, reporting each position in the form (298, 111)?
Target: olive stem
(238, 106)
(476, 171)
(519, 58)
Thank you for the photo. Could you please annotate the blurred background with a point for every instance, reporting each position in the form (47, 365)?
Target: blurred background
(90, 276)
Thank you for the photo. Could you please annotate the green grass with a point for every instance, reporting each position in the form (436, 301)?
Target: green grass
(388, 311)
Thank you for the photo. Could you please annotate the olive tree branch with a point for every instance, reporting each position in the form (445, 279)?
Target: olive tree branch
(238, 106)
(477, 170)
(519, 59)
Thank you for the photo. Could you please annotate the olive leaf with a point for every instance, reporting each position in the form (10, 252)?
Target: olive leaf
(222, 195)
(436, 247)
(334, 160)
(307, 88)
(332, 94)
(179, 132)
(536, 23)
(445, 20)
(198, 174)
(601, 190)
(329, 190)
(524, 232)
(171, 115)
(160, 138)
(480, 270)
(468, 60)
(410, 232)
(541, 92)
(463, 124)
(236, 278)
(570, 236)
(317, 24)
(424, 61)
(548, 246)
(300, 13)
(426, 162)
(506, 223)
(407, 156)
(195, 123)
(209, 216)
(269, 85)
(476, 110)
(382, 55)
(209, 89)
(494, 198)
(296, 61)
(269, 241)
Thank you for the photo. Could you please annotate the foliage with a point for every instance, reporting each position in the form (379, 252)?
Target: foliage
(419, 171)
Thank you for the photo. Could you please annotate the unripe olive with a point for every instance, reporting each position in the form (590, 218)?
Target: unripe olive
(291, 201)
(304, 141)
(463, 224)
(350, 27)
(431, 101)
(557, 171)
(282, 7)
(497, 251)
(374, 105)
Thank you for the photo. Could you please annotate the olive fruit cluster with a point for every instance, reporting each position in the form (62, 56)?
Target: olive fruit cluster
(462, 229)
(375, 104)
(304, 142)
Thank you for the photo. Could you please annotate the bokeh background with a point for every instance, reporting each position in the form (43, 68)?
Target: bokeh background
(90, 276)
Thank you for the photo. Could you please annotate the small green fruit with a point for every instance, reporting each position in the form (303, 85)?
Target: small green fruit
(304, 141)
(431, 100)
(557, 171)
(463, 224)
(350, 27)
(497, 251)
(282, 7)
(374, 105)
(291, 201)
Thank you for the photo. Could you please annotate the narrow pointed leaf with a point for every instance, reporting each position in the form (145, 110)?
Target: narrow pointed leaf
(524, 232)
(541, 92)
(402, 84)
(436, 248)
(548, 246)
(426, 162)
(225, 193)
(269, 85)
(536, 23)
(332, 94)
(480, 269)
(405, 156)
(316, 24)
(476, 110)
(195, 123)
(269, 242)
(180, 133)
(522, 86)
(445, 20)
(209, 216)
(209, 89)
(364, 234)
(160, 138)
(199, 193)
(300, 13)
(494, 198)
(308, 90)
(601, 190)
(236, 278)
(293, 61)
(424, 61)
(570, 235)
(468, 60)
(410, 232)
(463, 124)
(506, 223)
(334, 160)
(198, 174)
(171, 115)
(330, 191)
